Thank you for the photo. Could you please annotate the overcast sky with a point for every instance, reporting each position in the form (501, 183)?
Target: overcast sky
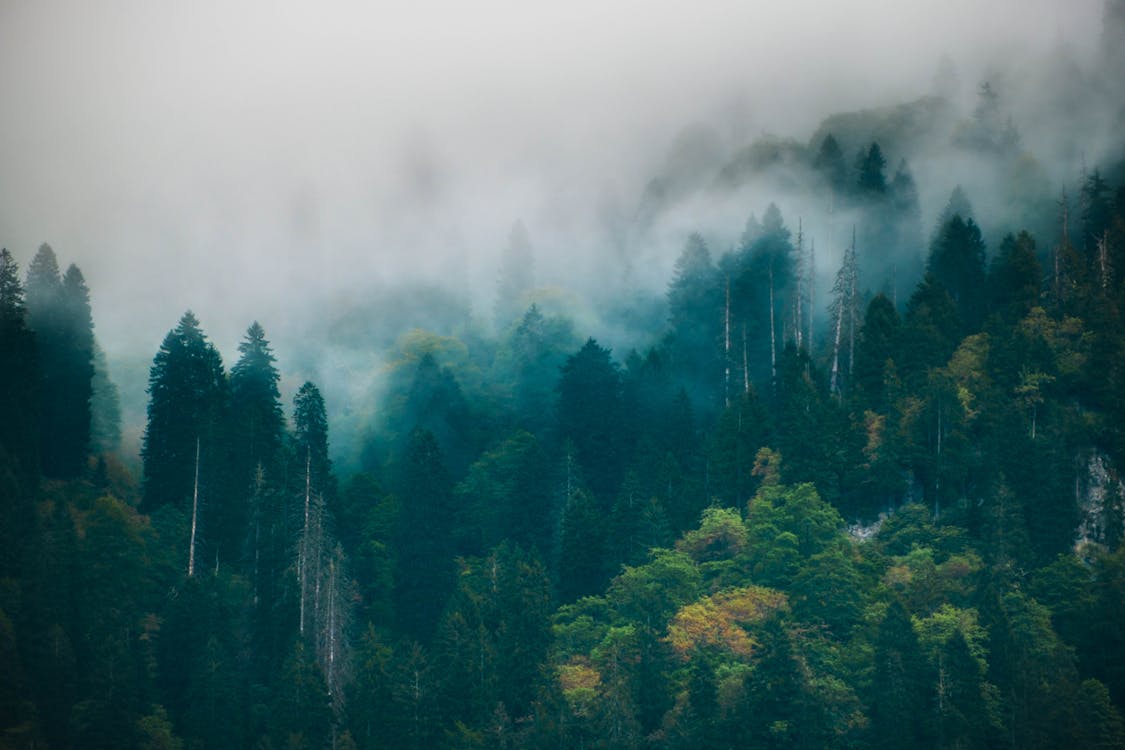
(237, 157)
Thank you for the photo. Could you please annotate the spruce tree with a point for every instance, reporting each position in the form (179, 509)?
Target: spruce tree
(58, 310)
(75, 378)
(183, 449)
(424, 576)
(957, 261)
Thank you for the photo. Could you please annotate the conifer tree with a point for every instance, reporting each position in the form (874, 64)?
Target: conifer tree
(957, 261)
(19, 374)
(58, 310)
(870, 164)
(183, 448)
(424, 576)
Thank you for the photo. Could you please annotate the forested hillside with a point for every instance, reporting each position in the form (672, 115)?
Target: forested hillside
(873, 501)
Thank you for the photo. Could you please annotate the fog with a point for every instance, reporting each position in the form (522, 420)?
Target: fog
(267, 160)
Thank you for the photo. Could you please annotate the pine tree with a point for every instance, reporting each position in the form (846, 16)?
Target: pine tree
(516, 277)
(875, 351)
(424, 576)
(105, 408)
(582, 548)
(829, 161)
(58, 310)
(75, 381)
(872, 180)
(183, 449)
(19, 378)
(590, 414)
(900, 701)
(957, 261)
(694, 340)
(1016, 278)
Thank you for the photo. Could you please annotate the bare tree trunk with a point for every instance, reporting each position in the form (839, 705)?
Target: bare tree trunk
(798, 328)
(773, 334)
(194, 513)
(745, 363)
(853, 308)
(726, 346)
(834, 382)
(812, 291)
(1103, 260)
(303, 553)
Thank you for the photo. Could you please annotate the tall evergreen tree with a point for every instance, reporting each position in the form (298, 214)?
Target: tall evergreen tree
(589, 416)
(957, 261)
(875, 351)
(900, 705)
(19, 374)
(75, 390)
(1015, 278)
(870, 164)
(516, 278)
(425, 567)
(183, 450)
(19, 428)
(58, 310)
(694, 340)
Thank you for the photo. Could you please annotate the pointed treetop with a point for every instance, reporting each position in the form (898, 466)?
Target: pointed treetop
(958, 205)
(11, 292)
(773, 223)
(871, 165)
(44, 269)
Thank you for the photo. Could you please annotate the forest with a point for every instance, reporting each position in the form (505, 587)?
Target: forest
(874, 505)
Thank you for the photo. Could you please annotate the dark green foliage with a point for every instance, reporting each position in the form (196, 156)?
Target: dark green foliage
(20, 427)
(957, 262)
(582, 568)
(930, 330)
(589, 417)
(900, 705)
(188, 400)
(876, 350)
(424, 565)
(870, 166)
(58, 311)
(1016, 278)
(557, 551)
(258, 427)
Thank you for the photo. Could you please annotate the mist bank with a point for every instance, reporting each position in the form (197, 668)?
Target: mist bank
(344, 209)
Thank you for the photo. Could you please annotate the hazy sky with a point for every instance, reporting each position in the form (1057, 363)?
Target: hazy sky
(238, 158)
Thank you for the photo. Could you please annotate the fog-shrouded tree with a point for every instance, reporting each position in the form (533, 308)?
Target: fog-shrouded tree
(105, 407)
(871, 166)
(695, 318)
(20, 425)
(516, 277)
(58, 310)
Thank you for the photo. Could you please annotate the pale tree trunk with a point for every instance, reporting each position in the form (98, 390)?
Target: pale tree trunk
(194, 513)
(773, 334)
(834, 383)
(1103, 259)
(303, 553)
(745, 363)
(853, 308)
(799, 272)
(726, 346)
